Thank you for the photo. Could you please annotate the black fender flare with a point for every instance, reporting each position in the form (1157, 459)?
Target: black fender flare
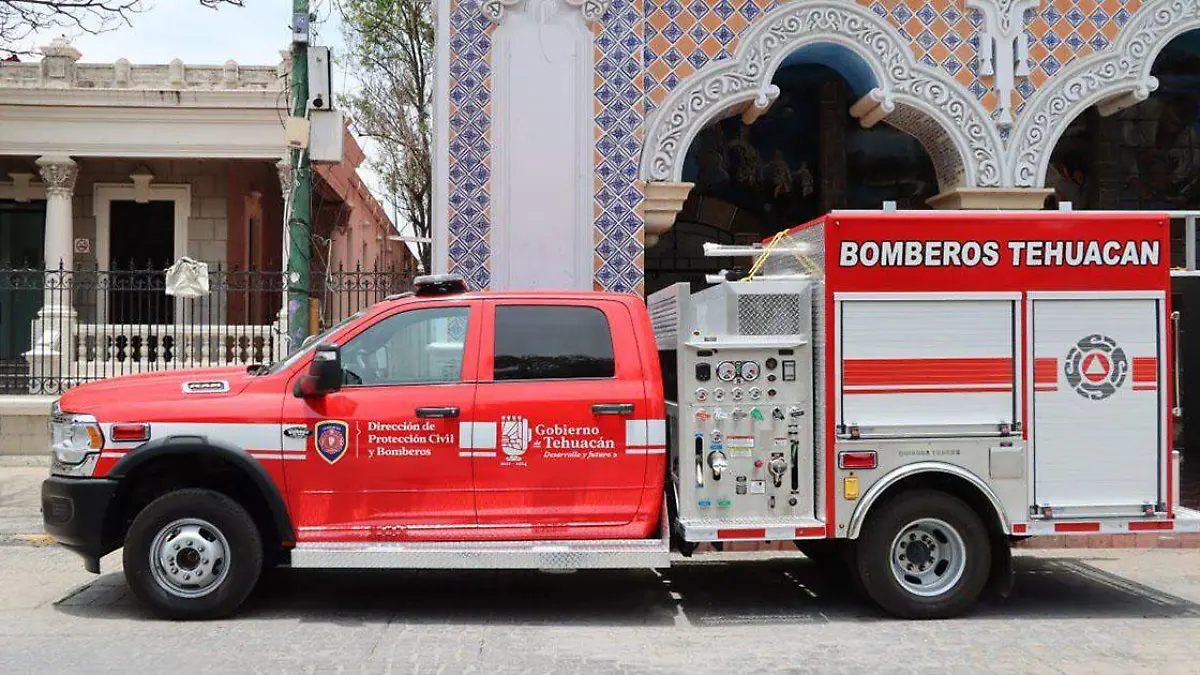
(171, 446)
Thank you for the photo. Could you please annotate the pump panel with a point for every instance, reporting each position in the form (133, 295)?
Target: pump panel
(743, 424)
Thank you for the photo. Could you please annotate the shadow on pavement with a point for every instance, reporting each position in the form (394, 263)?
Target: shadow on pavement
(703, 592)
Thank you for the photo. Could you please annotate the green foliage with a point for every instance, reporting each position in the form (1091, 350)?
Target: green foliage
(390, 53)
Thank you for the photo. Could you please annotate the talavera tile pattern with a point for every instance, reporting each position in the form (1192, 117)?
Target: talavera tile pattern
(619, 111)
(644, 48)
(470, 143)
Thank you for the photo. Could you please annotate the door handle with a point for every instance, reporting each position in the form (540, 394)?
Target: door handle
(612, 409)
(438, 413)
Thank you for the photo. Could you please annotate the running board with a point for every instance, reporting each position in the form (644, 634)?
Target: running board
(597, 554)
(1185, 520)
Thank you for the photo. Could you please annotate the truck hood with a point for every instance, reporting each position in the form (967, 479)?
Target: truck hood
(171, 385)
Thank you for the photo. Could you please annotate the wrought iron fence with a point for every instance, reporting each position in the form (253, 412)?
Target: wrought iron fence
(60, 328)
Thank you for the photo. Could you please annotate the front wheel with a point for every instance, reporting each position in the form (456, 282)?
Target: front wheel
(193, 554)
(927, 555)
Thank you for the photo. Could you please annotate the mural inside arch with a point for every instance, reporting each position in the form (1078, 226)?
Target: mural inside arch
(805, 156)
(1144, 157)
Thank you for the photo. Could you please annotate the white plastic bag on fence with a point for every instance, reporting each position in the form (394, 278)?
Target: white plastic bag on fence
(187, 278)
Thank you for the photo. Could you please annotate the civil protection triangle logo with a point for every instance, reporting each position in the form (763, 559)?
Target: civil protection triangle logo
(331, 439)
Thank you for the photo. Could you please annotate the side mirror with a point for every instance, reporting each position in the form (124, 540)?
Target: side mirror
(324, 373)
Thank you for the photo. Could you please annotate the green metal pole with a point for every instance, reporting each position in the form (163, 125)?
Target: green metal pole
(301, 212)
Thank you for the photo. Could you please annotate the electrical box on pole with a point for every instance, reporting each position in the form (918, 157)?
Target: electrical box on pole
(320, 79)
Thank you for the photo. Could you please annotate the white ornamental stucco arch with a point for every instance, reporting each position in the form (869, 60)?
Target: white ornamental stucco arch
(1113, 79)
(925, 102)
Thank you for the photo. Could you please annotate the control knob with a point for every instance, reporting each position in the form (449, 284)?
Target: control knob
(718, 463)
(777, 467)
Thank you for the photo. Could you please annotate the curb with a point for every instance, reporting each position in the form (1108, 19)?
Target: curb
(1139, 540)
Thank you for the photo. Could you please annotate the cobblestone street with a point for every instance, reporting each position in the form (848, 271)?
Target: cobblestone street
(1100, 611)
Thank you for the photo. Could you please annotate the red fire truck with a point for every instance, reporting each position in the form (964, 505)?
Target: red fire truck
(900, 394)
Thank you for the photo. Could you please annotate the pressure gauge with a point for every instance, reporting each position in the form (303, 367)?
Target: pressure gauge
(727, 371)
(749, 371)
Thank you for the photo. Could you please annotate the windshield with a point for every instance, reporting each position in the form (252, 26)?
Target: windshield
(311, 344)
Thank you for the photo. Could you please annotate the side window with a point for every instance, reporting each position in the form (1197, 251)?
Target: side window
(417, 346)
(536, 342)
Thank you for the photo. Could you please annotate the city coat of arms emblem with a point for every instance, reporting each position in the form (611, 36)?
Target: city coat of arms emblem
(331, 439)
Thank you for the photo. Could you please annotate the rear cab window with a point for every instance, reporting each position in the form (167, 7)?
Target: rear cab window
(550, 342)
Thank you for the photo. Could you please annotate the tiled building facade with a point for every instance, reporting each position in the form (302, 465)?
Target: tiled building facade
(540, 99)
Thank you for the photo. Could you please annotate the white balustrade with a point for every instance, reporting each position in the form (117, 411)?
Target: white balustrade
(106, 350)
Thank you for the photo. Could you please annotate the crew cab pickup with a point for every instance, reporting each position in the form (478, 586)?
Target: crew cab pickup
(901, 395)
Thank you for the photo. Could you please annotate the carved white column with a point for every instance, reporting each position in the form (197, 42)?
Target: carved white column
(286, 180)
(59, 173)
(50, 359)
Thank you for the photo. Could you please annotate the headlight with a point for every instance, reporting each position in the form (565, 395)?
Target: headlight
(75, 443)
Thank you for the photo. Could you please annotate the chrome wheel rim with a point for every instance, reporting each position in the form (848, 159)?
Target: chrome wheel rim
(928, 557)
(189, 558)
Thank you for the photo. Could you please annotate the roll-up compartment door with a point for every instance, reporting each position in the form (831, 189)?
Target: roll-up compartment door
(1098, 407)
(934, 365)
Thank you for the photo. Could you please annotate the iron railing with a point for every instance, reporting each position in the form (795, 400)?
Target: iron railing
(60, 328)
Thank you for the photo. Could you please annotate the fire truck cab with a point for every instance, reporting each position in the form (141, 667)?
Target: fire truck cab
(901, 394)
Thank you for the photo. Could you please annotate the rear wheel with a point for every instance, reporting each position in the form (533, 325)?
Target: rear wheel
(193, 554)
(925, 555)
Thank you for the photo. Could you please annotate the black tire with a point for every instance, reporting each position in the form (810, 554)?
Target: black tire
(873, 559)
(242, 564)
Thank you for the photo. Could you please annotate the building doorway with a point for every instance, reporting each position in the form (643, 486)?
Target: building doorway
(22, 228)
(141, 247)
(805, 157)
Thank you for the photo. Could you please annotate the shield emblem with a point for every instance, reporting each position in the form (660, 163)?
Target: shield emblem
(331, 440)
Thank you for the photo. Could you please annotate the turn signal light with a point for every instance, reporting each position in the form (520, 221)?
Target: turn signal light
(857, 459)
(127, 433)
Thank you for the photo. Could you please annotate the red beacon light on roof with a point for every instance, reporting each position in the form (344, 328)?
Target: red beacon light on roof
(439, 284)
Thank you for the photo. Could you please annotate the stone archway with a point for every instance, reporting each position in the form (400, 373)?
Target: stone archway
(1112, 80)
(926, 103)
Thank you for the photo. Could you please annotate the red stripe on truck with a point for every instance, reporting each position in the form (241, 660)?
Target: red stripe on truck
(1141, 525)
(744, 533)
(1145, 370)
(1077, 527)
(875, 372)
(1045, 371)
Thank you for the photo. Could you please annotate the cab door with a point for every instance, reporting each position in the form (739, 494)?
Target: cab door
(383, 458)
(562, 399)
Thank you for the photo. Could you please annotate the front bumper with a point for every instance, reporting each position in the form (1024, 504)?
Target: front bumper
(73, 512)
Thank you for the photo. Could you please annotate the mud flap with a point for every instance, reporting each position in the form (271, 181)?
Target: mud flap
(1003, 574)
